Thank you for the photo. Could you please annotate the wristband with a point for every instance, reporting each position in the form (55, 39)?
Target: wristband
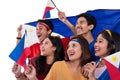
(18, 37)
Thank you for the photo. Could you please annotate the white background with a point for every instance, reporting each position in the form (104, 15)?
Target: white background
(16, 12)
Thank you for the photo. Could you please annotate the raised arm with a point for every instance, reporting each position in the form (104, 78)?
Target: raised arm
(62, 17)
(19, 34)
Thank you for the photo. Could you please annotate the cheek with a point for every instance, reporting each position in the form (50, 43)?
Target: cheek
(79, 52)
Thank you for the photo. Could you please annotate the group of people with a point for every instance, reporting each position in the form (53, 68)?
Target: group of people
(78, 57)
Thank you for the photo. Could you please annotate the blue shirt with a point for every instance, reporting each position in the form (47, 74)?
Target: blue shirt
(92, 51)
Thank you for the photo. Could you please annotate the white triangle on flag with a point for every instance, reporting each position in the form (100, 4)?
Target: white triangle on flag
(30, 35)
(114, 59)
(50, 4)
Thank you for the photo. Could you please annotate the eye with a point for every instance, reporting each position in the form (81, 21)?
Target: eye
(73, 45)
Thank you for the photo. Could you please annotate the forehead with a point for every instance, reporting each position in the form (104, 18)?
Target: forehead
(73, 42)
(82, 19)
(100, 37)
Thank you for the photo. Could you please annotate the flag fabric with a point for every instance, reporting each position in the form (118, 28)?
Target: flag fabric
(106, 19)
(28, 47)
(113, 65)
(17, 55)
(49, 7)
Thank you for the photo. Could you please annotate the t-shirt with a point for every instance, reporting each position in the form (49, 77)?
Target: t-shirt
(60, 71)
(92, 51)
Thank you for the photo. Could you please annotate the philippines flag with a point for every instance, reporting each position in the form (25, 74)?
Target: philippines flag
(49, 7)
(28, 47)
(113, 65)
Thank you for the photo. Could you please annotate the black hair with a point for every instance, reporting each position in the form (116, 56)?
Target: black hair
(40, 61)
(90, 19)
(47, 22)
(113, 39)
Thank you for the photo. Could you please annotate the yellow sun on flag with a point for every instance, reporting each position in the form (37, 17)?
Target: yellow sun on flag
(30, 30)
(114, 58)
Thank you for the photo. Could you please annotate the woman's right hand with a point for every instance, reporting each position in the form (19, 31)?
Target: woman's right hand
(16, 69)
(30, 72)
(89, 70)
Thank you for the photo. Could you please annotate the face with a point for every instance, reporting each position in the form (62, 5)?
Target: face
(74, 51)
(47, 49)
(101, 46)
(82, 26)
(42, 32)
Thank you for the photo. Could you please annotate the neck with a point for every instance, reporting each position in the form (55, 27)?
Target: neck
(75, 66)
(50, 59)
(88, 36)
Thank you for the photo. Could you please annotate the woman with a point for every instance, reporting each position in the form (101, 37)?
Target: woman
(51, 51)
(107, 43)
(78, 55)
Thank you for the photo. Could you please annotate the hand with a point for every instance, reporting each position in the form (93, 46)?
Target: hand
(89, 69)
(30, 72)
(16, 69)
(62, 16)
(19, 31)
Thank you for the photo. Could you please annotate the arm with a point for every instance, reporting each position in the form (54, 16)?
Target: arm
(62, 17)
(19, 34)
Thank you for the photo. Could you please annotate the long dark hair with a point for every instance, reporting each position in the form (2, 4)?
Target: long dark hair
(40, 62)
(85, 56)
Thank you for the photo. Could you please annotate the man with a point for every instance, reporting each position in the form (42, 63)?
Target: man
(84, 26)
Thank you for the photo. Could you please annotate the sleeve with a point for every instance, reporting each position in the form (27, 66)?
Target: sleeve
(52, 73)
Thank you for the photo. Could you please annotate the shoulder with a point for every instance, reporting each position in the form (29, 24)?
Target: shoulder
(59, 63)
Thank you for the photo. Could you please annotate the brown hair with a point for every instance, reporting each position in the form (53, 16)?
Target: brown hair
(85, 56)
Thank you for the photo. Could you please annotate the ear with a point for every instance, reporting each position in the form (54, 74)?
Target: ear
(49, 31)
(54, 48)
(91, 27)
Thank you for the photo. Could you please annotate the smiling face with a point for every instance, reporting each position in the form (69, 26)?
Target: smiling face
(47, 48)
(74, 51)
(42, 32)
(101, 46)
(82, 26)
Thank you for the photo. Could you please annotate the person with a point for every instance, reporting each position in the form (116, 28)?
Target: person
(107, 43)
(51, 51)
(44, 28)
(77, 55)
(84, 26)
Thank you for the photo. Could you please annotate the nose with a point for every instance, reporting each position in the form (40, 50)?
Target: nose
(96, 44)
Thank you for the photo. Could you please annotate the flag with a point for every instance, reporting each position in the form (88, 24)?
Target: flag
(28, 47)
(49, 7)
(113, 65)
(17, 52)
(106, 19)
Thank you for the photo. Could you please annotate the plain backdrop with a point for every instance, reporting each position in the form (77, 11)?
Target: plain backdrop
(16, 12)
